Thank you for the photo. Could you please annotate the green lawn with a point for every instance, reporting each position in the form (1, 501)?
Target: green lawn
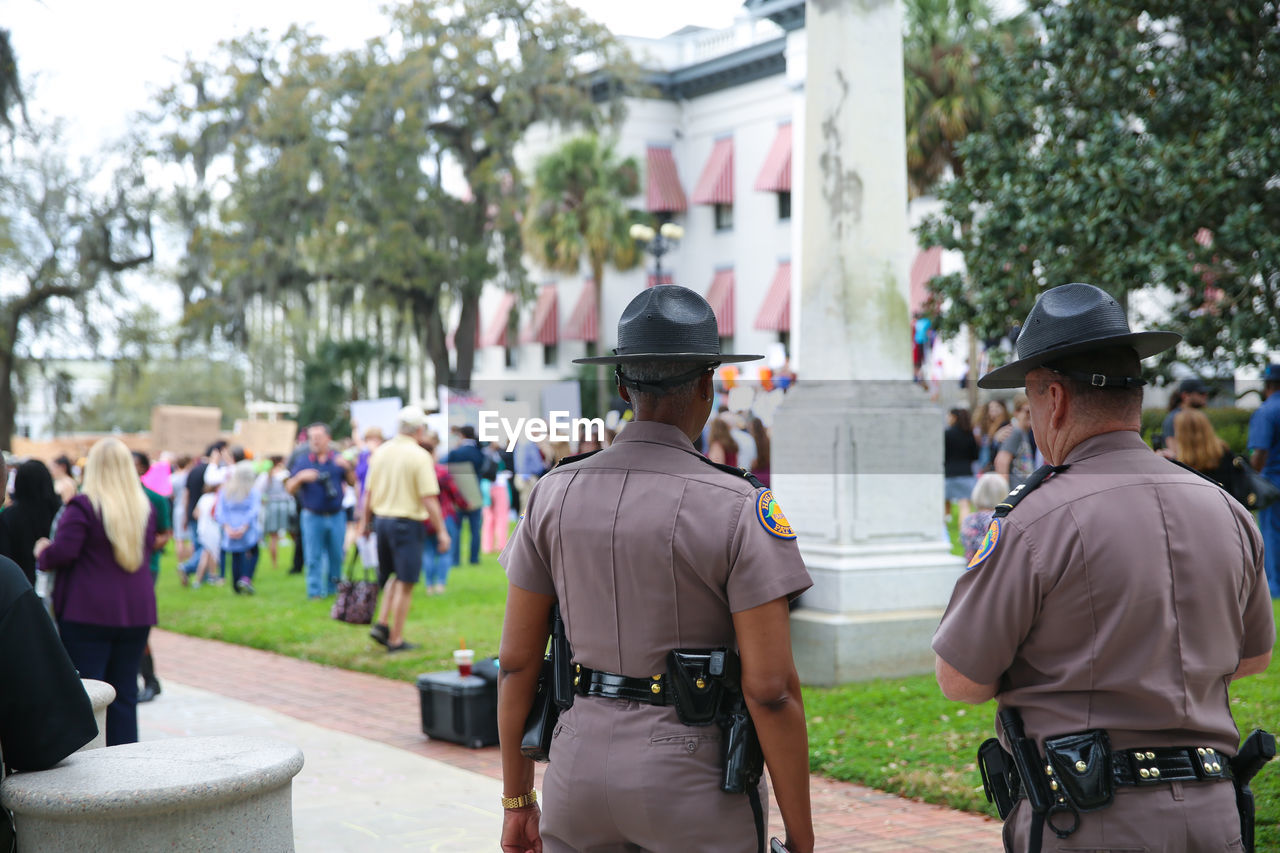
(897, 735)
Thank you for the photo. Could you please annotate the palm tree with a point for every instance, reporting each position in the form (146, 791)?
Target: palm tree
(577, 212)
(946, 98)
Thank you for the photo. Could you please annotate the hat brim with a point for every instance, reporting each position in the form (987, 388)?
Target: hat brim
(1014, 374)
(722, 358)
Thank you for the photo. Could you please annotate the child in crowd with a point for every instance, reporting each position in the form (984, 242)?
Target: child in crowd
(208, 530)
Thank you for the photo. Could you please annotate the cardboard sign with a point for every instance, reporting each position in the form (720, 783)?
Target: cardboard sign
(184, 429)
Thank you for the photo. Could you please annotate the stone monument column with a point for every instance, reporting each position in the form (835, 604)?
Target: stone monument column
(857, 446)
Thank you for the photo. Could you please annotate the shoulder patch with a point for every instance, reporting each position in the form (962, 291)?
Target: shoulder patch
(989, 543)
(771, 518)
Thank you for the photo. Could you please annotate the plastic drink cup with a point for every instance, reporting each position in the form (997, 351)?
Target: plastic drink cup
(464, 658)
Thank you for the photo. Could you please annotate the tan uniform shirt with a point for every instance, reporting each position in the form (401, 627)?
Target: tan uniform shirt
(1121, 594)
(649, 548)
(400, 475)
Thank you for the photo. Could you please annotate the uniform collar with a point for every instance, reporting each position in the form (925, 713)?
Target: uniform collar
(654, 432)
(1106, 442)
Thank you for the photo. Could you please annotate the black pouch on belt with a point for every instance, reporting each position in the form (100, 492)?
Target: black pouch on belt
(1082, 765)
(696, 689)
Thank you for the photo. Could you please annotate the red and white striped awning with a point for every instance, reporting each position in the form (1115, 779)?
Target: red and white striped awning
(775, 311)
(496, 334)
(582, 322)
(775, 174)
(544, 326)
(928, 263)
(716, 184)
(658, 278)
(720, 295)
(664, 193)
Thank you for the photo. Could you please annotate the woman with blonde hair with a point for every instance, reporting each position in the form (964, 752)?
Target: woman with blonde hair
(1199, 447)
(103, 600)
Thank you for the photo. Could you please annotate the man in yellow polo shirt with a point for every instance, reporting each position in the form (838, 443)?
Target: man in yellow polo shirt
(401, 493)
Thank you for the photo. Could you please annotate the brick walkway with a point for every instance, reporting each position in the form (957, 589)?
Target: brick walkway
(845, 816)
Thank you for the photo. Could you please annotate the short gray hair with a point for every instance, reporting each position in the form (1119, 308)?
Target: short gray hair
(990, 489)
(651, 371)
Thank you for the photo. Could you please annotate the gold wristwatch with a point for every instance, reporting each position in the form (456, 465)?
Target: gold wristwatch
(520, 801)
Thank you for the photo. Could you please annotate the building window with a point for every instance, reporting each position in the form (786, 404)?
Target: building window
(784, 206)
(549, 355)
(724, 217)
(511, 357)
(784, 338)
(726, 344)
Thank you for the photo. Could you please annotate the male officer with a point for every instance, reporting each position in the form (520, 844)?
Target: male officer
(1264, 441)
(1120, 594)
(648, 547)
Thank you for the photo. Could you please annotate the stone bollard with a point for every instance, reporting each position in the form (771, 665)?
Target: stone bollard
(208, 794)
(101, 695)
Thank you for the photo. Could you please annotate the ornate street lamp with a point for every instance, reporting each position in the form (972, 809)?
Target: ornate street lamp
(657, 243)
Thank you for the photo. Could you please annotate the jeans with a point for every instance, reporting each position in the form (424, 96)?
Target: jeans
(112, 655)
(193, 562)
(322, 540)
(1269, 522)
(435, 566)
(243, 565)
(475, 520)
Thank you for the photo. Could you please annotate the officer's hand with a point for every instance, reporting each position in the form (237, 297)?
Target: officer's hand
(520, 830)
(443, 542)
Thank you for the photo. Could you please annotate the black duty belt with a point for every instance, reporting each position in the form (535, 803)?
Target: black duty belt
(608, 685)
(1155, 765)
(1149, 766)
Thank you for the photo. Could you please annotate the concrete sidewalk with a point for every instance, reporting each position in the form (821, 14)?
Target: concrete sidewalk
(373, 782)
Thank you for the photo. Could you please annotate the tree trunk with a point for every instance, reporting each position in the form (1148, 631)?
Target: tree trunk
(8, 406)
(603, 389)
(464, 341)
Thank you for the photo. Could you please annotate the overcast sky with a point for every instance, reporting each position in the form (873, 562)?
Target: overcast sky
(94, 62)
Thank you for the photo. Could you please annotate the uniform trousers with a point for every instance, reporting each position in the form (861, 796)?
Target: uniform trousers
(1178, 817)
(626, 777)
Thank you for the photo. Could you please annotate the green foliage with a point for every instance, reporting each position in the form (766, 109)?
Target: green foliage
(63, 246)
(947, 97)
(328, 168)
(324, 398)
(193, 381)
(1126, 128)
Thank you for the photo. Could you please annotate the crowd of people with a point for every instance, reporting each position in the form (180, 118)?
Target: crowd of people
(986, 458)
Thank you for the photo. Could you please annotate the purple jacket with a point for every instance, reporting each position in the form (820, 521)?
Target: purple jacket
(90, 586)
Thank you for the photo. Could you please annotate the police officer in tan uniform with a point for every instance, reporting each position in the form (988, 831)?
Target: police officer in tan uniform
(1115, 597)
(648, 547)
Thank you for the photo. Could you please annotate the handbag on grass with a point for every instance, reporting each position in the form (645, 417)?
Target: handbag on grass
(553, 694)
(1251, 488)
(357, 599)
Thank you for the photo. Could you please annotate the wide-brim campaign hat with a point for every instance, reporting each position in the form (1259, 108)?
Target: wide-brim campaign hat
(1071, 319)
(667, 322)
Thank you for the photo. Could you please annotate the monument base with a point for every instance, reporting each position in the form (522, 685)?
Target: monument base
(836, 648)
(857, 467)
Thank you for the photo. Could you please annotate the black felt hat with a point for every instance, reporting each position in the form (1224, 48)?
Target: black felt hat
(1071, 319)
(667, 322)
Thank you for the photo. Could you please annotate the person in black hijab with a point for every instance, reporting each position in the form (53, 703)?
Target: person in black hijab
(29, 515)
